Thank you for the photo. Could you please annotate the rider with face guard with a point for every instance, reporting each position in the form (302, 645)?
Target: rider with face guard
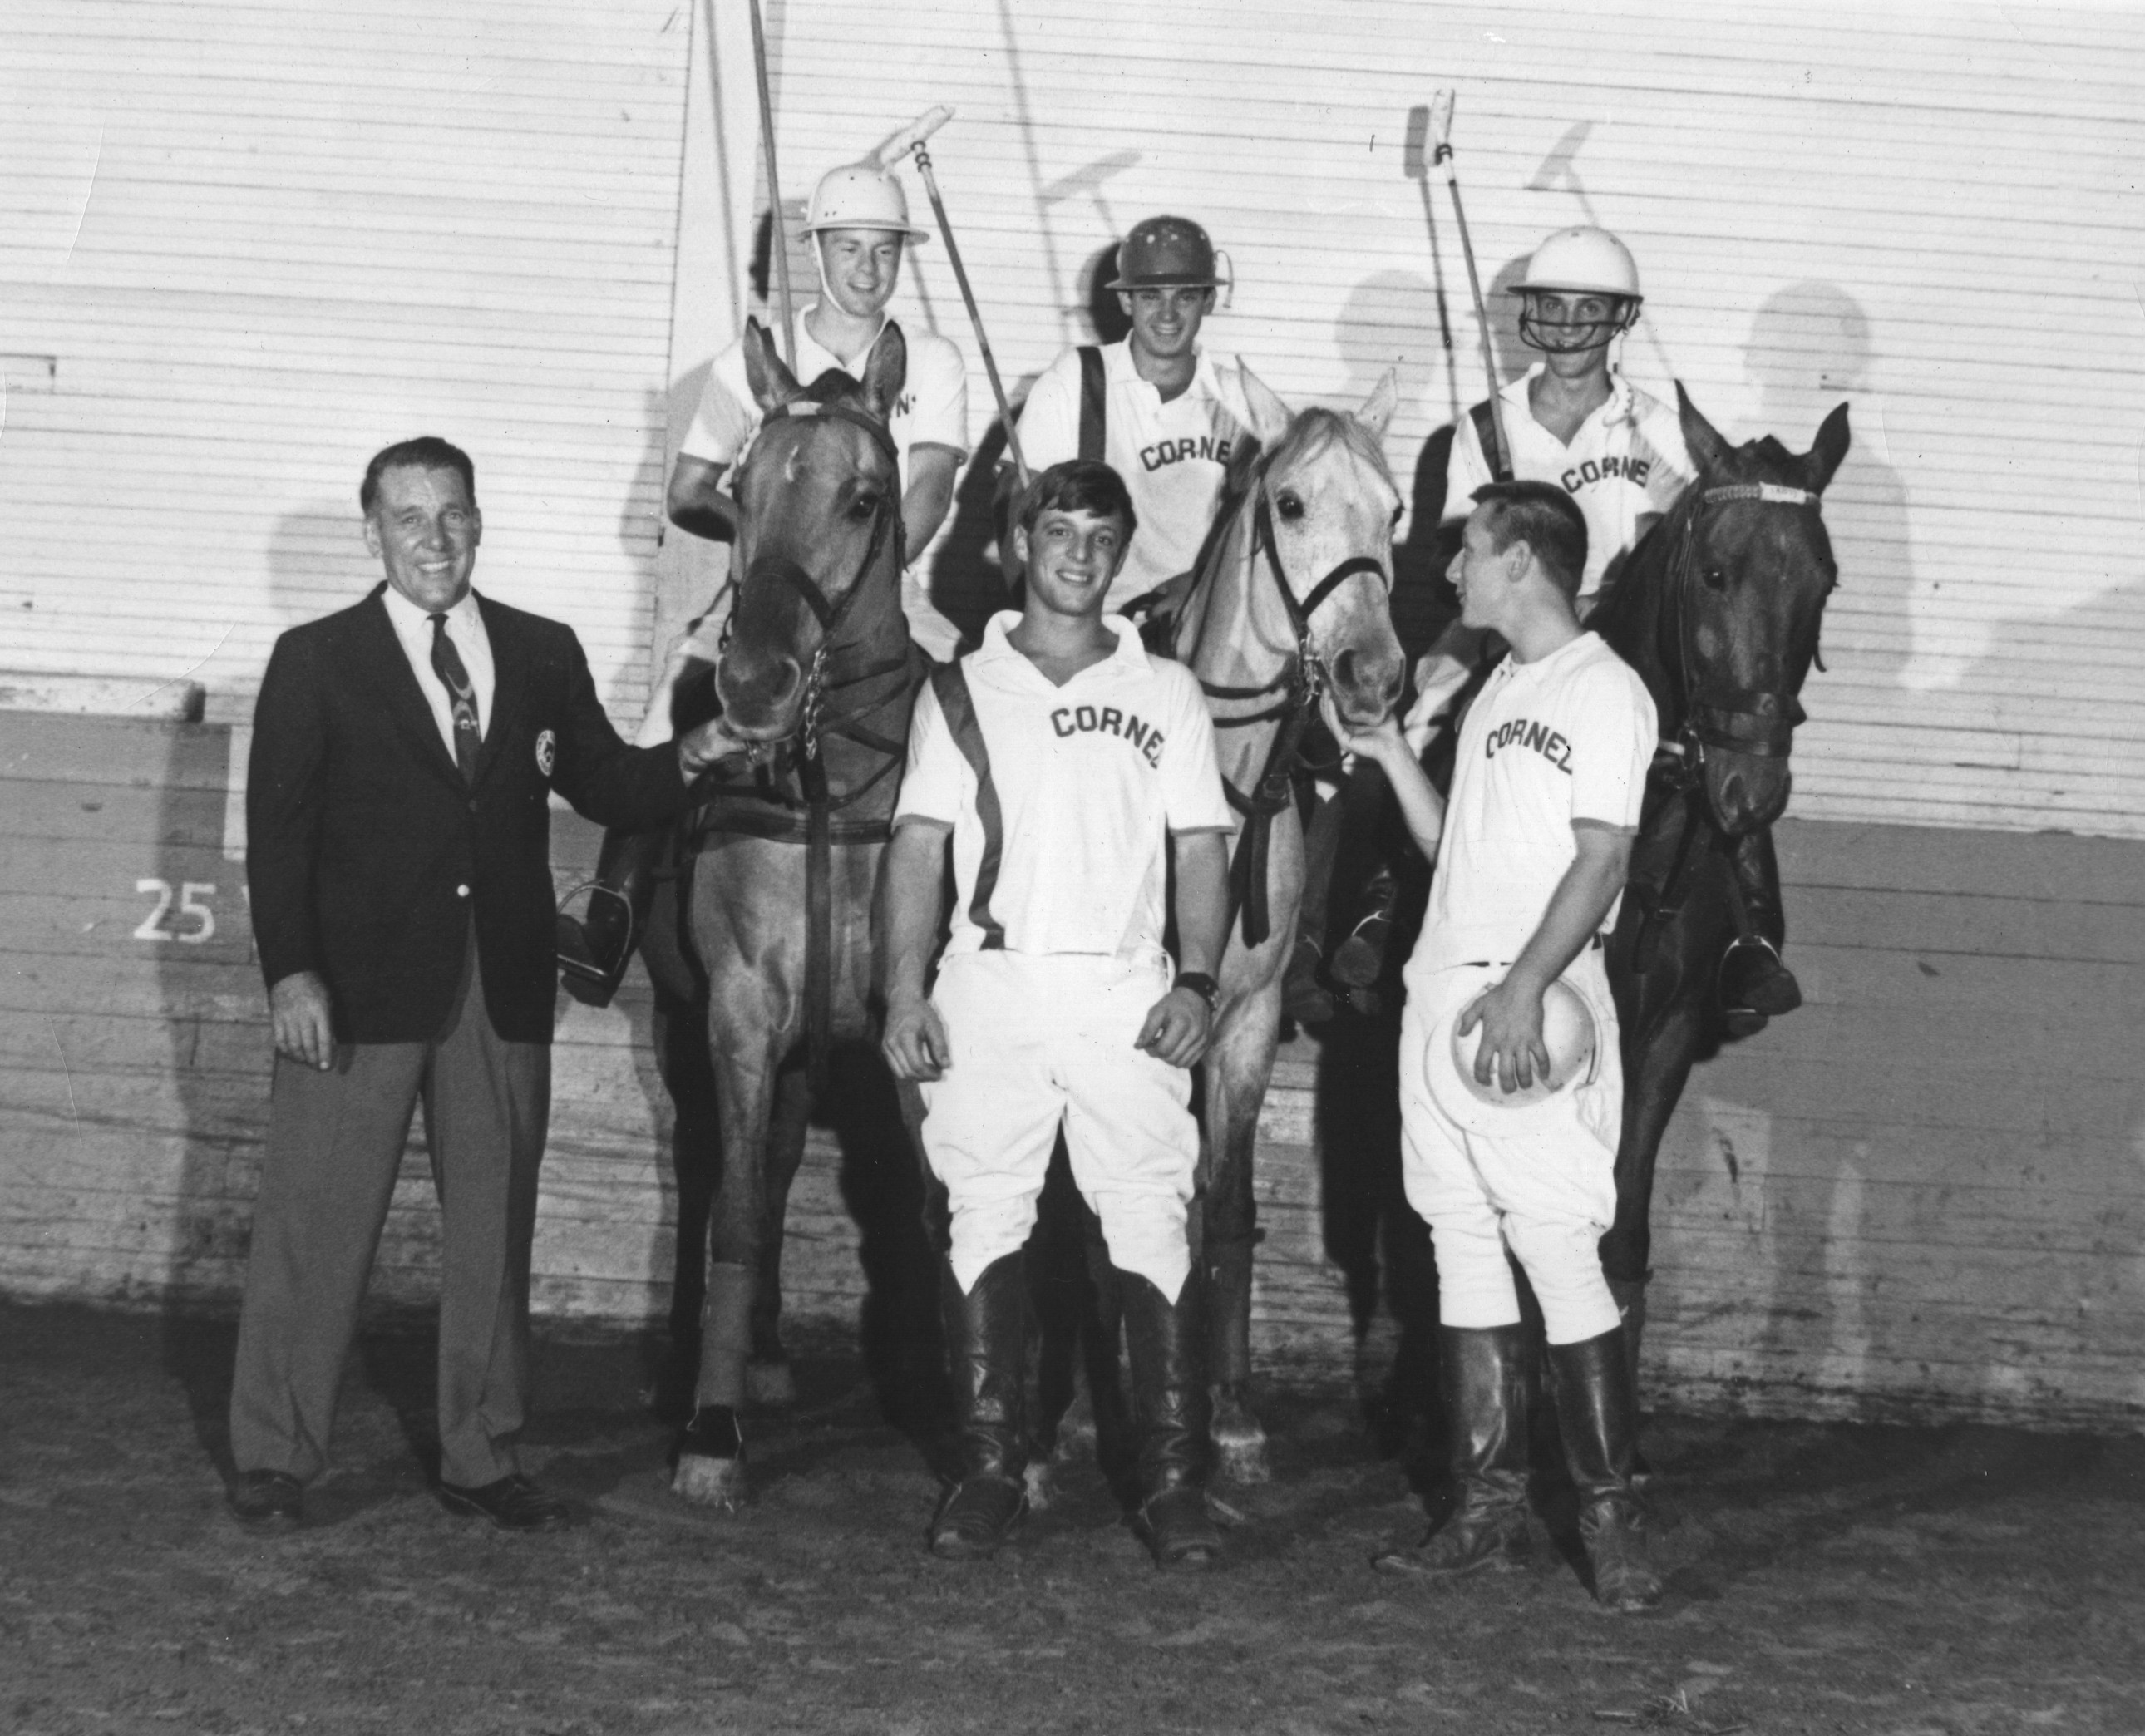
(858, 222)
(1575, 421)
(1163, 413)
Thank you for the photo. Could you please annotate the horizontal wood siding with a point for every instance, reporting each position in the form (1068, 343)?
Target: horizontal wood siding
(246, 246)
(1916, 1197)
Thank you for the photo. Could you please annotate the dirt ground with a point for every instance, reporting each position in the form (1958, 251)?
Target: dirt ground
(1825, 1579)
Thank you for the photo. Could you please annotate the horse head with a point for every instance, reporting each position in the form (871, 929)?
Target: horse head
(818, 529)
(1750, 567)
(1315, 504)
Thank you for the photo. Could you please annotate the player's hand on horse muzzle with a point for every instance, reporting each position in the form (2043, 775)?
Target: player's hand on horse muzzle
(706, 746)
(915, 1042)
(1177, 1027)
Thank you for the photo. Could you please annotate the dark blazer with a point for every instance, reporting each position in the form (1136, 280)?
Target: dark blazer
(366, 850)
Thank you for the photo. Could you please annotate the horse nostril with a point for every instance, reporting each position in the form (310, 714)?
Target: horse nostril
(786, 675)
(1344, 668)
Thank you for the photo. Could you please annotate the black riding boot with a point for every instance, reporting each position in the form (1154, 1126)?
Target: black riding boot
(593, 951)
(1754, 985)
(1597, 1414)
(1170, 1409)
(986, 1342)
(1482, 1380)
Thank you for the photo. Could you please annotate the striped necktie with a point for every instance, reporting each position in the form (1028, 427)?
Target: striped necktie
(447, 664)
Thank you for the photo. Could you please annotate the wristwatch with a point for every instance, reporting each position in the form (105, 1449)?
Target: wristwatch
(1203, 986)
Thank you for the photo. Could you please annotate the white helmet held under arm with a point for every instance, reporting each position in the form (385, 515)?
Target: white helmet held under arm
(1579, 262)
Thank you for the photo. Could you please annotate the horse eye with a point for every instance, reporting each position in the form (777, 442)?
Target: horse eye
(864, 508)
(1397, 511)
(1716, 580)
(1289, 506)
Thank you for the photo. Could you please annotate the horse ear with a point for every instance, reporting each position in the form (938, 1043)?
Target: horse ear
(1378, 408)
(886, 372)
(1269, 416)
(1831, 448)
(1708, 450)
(765, 372)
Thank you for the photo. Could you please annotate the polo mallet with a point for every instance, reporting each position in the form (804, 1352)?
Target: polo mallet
(910, 140)
(778, 237)
(1441, 126)
(1414, 164)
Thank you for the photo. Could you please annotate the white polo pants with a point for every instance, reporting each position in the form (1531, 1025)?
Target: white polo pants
(1039, 1042)
(1549, 1194)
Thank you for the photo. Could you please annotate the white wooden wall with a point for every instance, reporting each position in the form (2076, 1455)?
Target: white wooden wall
(243, 248)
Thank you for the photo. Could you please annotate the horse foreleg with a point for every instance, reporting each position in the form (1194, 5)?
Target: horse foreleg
(767, 1380)
(710, 1468)
(1237, 1069)
(1657, 1063)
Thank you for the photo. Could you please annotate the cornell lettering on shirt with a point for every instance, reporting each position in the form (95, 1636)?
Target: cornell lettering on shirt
(1607, 469)
(1213, 449)
(1109, 720)
(1524, 733)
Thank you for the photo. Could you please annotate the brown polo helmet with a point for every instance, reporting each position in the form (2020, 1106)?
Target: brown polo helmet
(1165, 253)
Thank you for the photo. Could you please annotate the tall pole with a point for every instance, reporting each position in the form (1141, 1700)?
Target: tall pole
(778, 239)
(1440, 121)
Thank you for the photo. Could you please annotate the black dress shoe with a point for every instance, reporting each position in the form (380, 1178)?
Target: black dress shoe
(513, 1504)
(273, 1500)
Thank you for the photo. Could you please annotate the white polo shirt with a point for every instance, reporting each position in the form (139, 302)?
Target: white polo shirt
(1173, 457)
(1627, 459)
(933, 410)
(1563, 741)
(1091, 778)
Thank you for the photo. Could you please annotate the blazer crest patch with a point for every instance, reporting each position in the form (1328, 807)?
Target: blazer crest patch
(547, 751)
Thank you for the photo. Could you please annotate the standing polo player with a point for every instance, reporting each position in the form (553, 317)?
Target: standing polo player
(1066, 767)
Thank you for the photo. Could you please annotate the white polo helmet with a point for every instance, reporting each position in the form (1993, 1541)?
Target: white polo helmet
(857, 196)
(1580, 262)
(1569, 1033)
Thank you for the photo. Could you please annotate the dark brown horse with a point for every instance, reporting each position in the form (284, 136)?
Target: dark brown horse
(1719, 610)
(817, 672)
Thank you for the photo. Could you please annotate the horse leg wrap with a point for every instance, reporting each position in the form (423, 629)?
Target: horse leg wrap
(1239, 1442)
(725, 1334)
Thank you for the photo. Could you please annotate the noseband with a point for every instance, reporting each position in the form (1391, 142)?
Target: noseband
(1757, 721)
(886, 519)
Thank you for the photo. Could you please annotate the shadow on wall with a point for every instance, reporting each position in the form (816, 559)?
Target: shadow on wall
(1810, 347)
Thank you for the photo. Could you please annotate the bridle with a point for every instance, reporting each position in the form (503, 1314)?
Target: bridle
(886, 522)
(1758, 721)
(1294, 689)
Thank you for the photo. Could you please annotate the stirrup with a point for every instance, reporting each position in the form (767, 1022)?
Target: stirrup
(590, 980)
(1769, 990)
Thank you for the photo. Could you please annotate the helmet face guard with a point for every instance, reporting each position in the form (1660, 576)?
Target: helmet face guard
(1571, 337)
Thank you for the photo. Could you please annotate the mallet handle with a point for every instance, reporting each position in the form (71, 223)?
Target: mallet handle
(1441, 123)
(777, 238)
(975, 314)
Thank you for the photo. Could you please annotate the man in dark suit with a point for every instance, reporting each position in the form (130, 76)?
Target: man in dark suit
(398, 814)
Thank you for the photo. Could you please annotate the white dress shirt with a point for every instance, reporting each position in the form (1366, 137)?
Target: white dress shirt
(413, 626)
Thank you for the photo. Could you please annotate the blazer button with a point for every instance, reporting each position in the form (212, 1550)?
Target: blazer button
(461, 892)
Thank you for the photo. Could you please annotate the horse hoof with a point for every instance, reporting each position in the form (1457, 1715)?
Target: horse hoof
(1240, 1443)
(1042, 1488)
(717, 1483)
(770, 1385)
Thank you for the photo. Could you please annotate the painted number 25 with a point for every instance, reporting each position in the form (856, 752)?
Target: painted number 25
(193, 894)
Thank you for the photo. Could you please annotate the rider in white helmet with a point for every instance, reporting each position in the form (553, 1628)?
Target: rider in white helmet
(858, 220)
(1575, 421)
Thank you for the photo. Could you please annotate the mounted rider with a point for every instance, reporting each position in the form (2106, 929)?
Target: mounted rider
(1618, 451)
(1165, 414)
(859, 225)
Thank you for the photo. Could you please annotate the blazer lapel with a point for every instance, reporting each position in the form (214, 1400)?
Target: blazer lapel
(404, 699)
(509, 687)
